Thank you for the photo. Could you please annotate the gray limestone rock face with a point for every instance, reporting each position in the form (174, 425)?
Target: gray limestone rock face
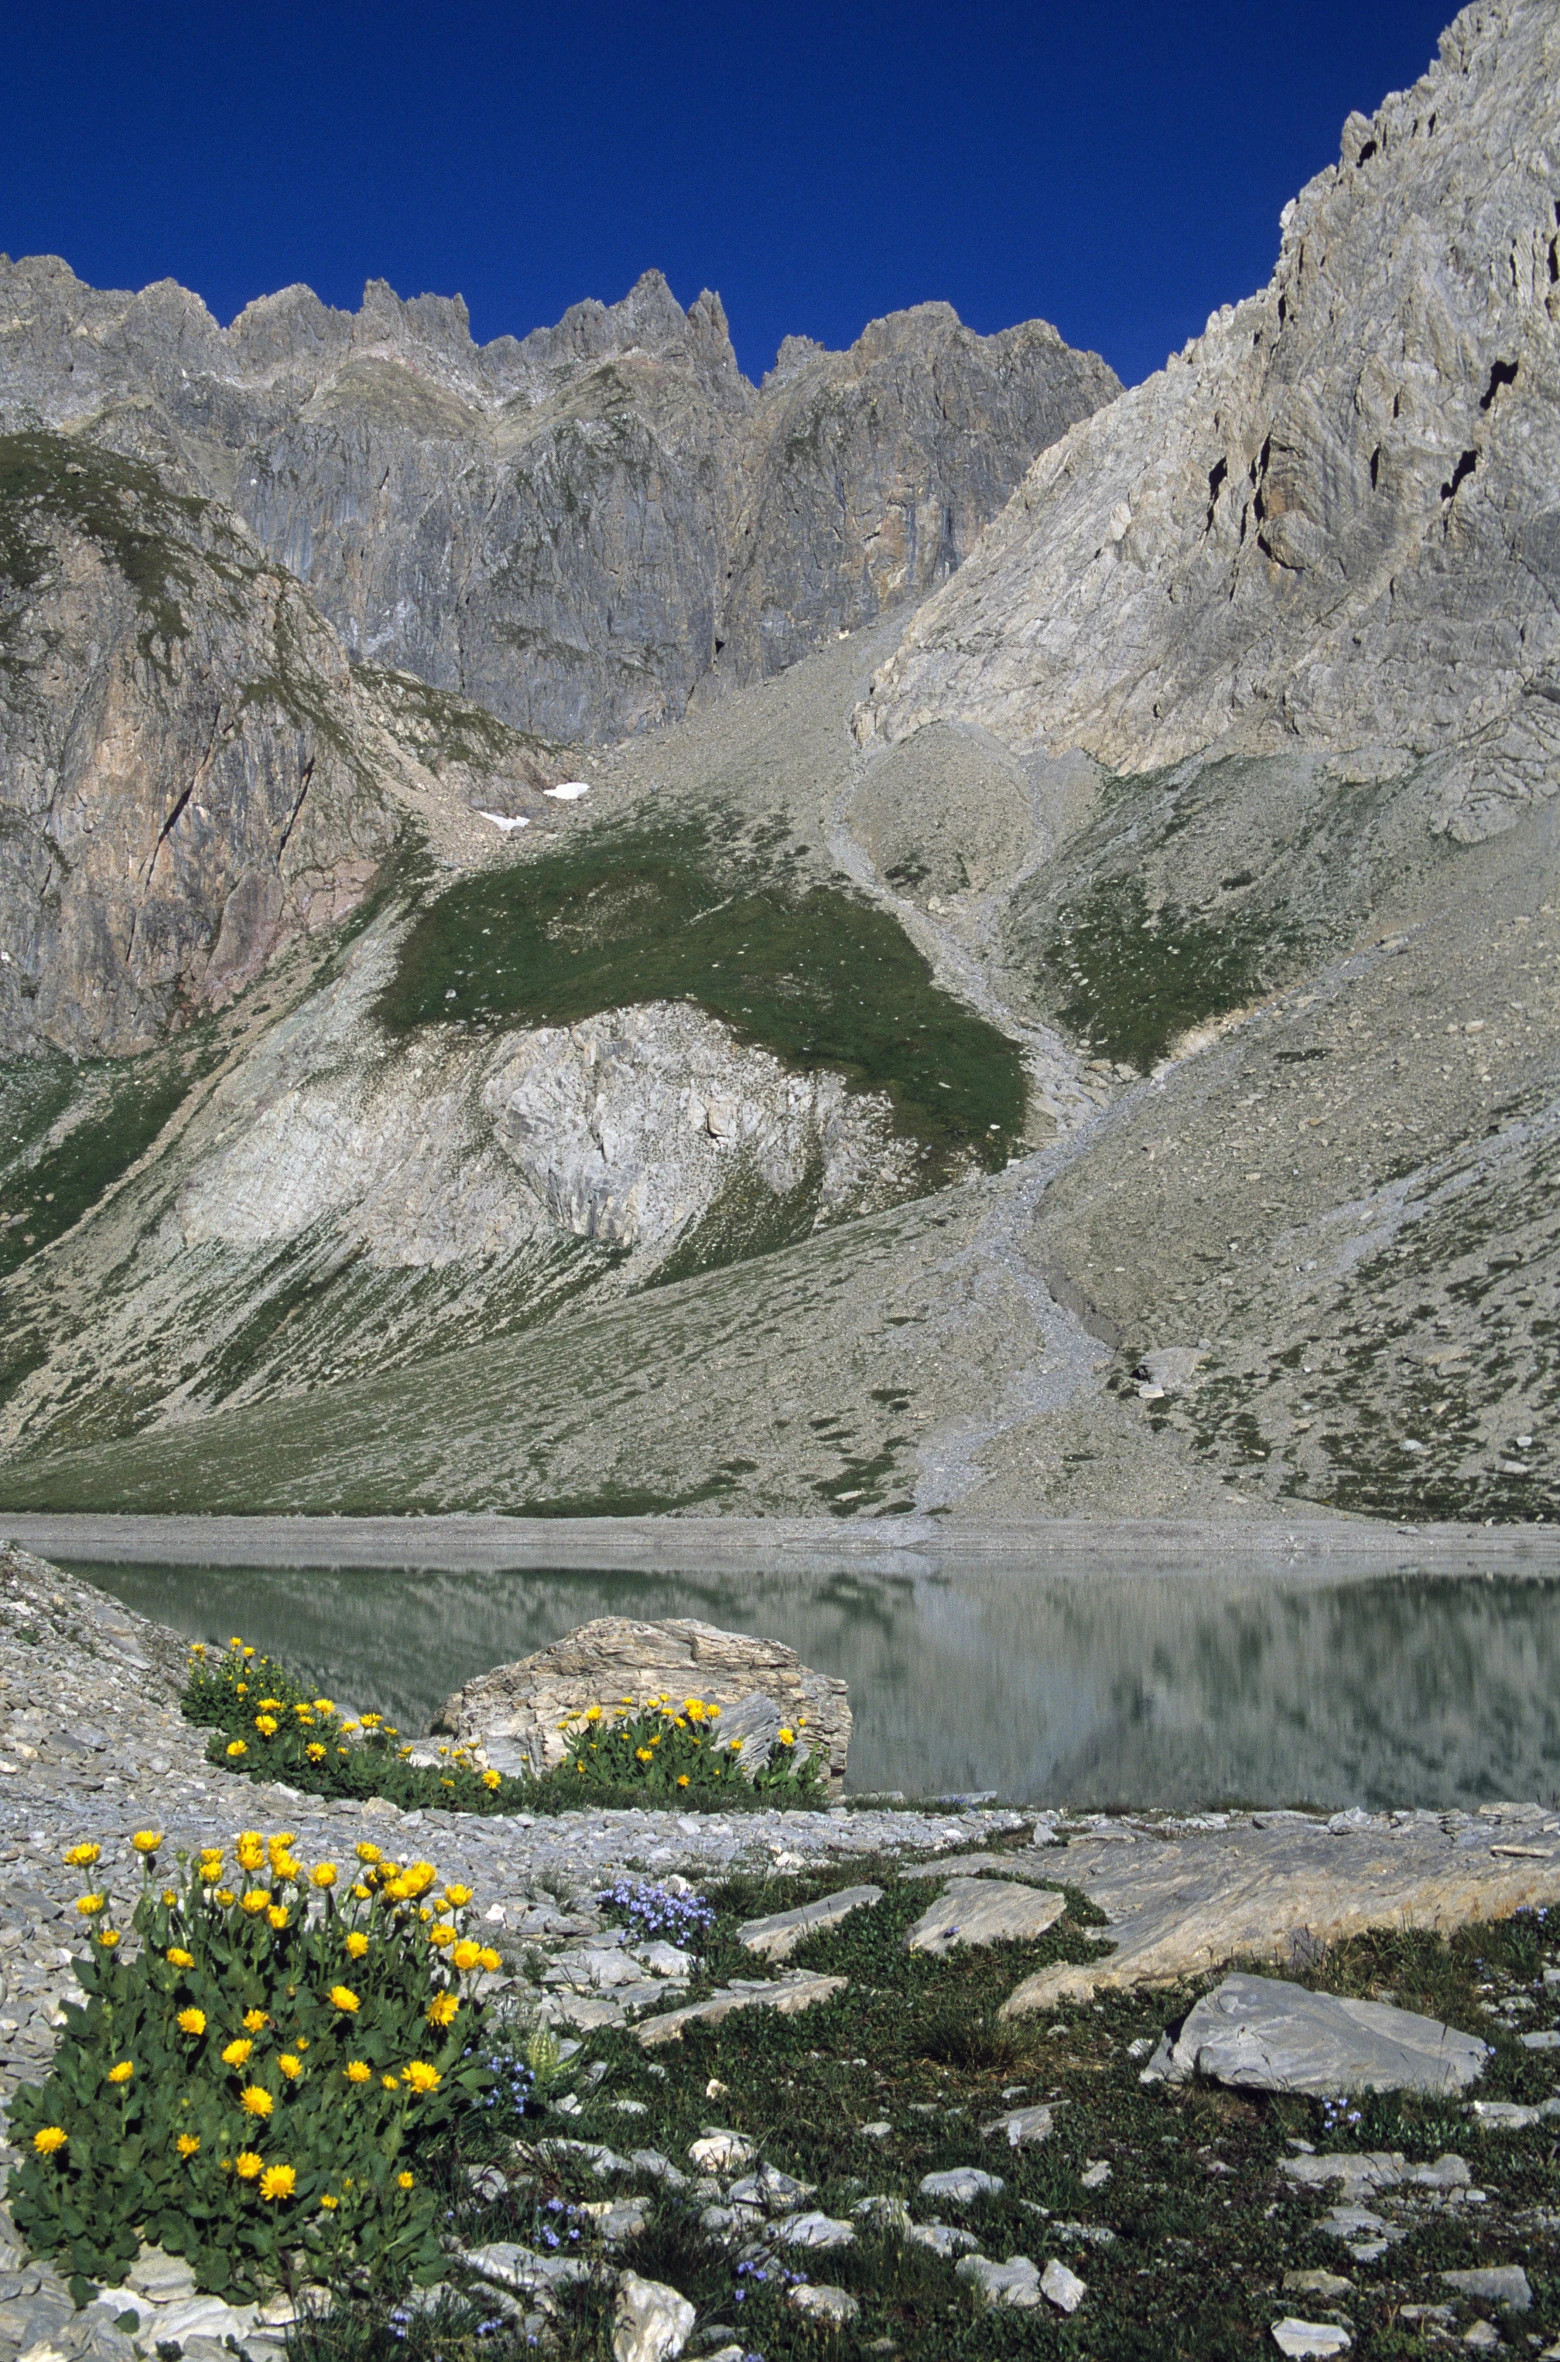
(521, 1706)
(188, 776)
(985, 1911)
(1268, 2035)
(787, 1996)
(652, 2322)
(777, 1937)
(577, 528)
(1363, 457)
(629, 1126)
(1500, 2284)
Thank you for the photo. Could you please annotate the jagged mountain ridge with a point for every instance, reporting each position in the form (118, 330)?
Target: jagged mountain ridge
(578, 529)
(1332, 523)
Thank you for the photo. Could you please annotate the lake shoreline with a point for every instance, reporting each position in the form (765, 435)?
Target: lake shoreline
(1329, 1546)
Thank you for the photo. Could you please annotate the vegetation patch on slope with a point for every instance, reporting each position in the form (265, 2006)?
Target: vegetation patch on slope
(815, 975)
(118, 503)
(47, 1184)
(1129, 978)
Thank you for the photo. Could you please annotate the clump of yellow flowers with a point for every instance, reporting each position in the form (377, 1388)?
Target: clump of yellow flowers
(267, 1723)
(679, 1753)
(258, 2069)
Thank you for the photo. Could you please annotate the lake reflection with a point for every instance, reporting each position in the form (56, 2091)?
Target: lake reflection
(1086, 1689)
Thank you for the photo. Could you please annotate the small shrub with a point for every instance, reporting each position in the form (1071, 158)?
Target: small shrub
(276, 2067)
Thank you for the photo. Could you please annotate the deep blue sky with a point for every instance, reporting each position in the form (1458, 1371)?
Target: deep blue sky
(1115, 167)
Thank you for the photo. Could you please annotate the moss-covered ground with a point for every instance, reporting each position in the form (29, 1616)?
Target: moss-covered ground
(819, 976)
(1128, 978)
(1183, 2245)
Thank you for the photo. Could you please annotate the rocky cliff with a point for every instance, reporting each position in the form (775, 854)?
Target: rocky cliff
(1333, 522)
(574, 529)
(187, 778)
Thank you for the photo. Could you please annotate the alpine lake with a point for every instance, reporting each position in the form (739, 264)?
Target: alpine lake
(1183, 1689)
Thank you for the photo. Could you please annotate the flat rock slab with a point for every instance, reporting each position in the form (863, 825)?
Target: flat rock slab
(1029, 1862)
(777, 1937)
(1377, 2169)
(985, 1911)
(1183, 1903)
(1022, 2126)
(1267, 2035)
(1498, 2284)
(786, 1995)
(963, 2185)
(1015, 2283)
(1310, 2341)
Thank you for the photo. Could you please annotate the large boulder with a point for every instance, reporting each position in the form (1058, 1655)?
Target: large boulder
(512, 1715)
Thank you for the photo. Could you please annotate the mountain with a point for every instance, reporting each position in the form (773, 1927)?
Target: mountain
(1332, 524)
(1083, 1043)
(578, 529)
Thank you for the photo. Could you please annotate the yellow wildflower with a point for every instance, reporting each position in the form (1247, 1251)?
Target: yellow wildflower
(248, 2166)
(390, 2082)
(277, 1915)
(441, 1935)
(466, 1954)
(48, 2138)
(256, 2020)
(315, 1752)
(292, 2068)
(82, 1857)
(356, 2072)
(90, 1905)
(487, 1958)
(191, 2021)
(682, 1779)
(329, 2203)
(441, 2009)
(258, 1899)
(734, 1746)
(713, 1712)
(178, 1958)
(593, 1713)
(787, 1737)
(367, 1853)
(266, 1725)
(123, 2072)
(187, 2143)
(108, 1937)
(250, 1850)
(643, 1755)
(287, 1867)
(421, 2076)
(357, 1944)
(169, 1897)
(255, 2100)
(226, 1896)
(324, 1705)
(343, 1997)
(146, 1841)
(405, 2181)
(238, 1747)
(694, 1709)
(491, 1779)
(238, 2054)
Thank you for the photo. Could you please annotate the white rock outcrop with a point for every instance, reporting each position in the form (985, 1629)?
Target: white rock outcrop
(629, 1125)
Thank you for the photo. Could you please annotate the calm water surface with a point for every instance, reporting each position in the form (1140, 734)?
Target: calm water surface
(1086, 1689)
